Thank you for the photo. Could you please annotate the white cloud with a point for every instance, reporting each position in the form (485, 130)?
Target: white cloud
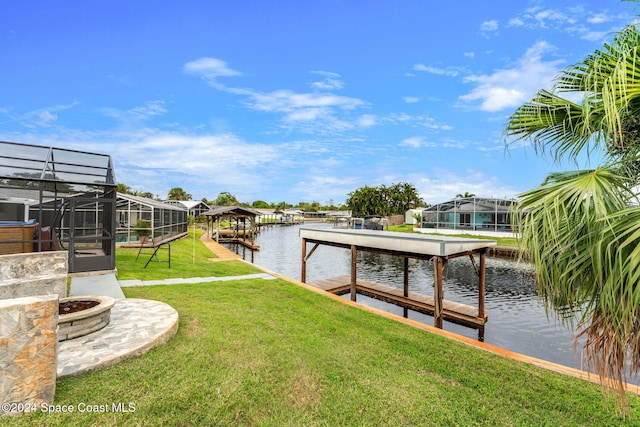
(150, 158)
(487, 26)
(367, 120)
(550, 17)
(322, 186)
(599, 18)
(150, 109)
(410, 99)
(508, 88)
(469, 54)
(307, 112)
(46, 116)
(449, 71)
(330, 81)
(418, 121)
(574, 20)
(288, 101)
(414, 142)
(516, 22)
(595, 36)
(210, 69)
(310, 112)
(136, 114)
(42, 117)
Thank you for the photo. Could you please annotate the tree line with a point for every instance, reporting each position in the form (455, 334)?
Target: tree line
(226, 198)
(382, 200)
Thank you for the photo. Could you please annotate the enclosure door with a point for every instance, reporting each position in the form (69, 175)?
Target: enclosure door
(91, 234)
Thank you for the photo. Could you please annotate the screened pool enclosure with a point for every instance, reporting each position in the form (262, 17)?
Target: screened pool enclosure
(470, 213)
(58, 199)
(139, 218)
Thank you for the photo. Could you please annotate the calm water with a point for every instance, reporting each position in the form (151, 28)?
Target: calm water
(517, 320)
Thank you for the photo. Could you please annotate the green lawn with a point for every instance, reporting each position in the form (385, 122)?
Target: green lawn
(189, 258)
(269, 352)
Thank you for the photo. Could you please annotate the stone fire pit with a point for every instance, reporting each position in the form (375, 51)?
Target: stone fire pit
(82, 315)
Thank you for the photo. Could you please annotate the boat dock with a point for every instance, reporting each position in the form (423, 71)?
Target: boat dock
(451, 311)
(439, 249)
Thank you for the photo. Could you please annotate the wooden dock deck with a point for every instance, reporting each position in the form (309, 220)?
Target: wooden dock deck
(452, 311)
(221, 253)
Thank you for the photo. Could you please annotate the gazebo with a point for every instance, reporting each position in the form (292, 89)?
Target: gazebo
(58, 199)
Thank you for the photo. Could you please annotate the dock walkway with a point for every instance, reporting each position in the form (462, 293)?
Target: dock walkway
(221, 253)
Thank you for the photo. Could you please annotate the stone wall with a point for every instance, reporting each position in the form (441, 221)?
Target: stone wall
(35, 273)
(28, 359)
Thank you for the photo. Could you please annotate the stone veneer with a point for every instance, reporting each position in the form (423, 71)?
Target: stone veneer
(35, 273)
(28, 352)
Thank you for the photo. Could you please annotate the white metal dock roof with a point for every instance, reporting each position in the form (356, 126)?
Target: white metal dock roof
(396, 241)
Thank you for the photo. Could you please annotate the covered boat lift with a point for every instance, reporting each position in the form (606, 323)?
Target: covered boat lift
(440, 249)
(236, 234)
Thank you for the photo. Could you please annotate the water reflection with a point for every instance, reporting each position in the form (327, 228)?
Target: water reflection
(517, 319)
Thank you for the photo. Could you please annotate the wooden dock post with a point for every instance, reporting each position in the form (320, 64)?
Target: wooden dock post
(437, 292)
(303, 269)
(481, 283)
(406, 277)
(354, 262)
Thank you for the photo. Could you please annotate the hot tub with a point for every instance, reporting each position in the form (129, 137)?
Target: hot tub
(16, 237)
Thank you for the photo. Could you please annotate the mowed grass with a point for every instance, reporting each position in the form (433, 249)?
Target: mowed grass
(272, 353)
(189, 258)
(268, 352)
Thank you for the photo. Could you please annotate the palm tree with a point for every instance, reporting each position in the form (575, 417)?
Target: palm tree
(466, 195)
(177, 193)
(578, 229)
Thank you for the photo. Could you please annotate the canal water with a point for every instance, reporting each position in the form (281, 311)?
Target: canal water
(517, 319)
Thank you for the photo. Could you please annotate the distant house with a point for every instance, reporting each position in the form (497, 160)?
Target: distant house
(289, 216)
(470, 214)
(194, 208)
(315, 214)
(410, 215)
(266, 215)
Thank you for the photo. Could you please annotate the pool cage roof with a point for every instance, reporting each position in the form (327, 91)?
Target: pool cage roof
(145, 201)
(472, 204)
(57, 165)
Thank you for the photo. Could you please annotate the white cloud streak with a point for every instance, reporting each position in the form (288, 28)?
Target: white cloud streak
(322, 112)
(331, 81)
(448, 71)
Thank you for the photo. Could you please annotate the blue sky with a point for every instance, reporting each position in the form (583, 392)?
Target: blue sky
(293, 100)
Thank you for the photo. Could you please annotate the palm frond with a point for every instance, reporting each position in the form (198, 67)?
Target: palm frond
(553, 124)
